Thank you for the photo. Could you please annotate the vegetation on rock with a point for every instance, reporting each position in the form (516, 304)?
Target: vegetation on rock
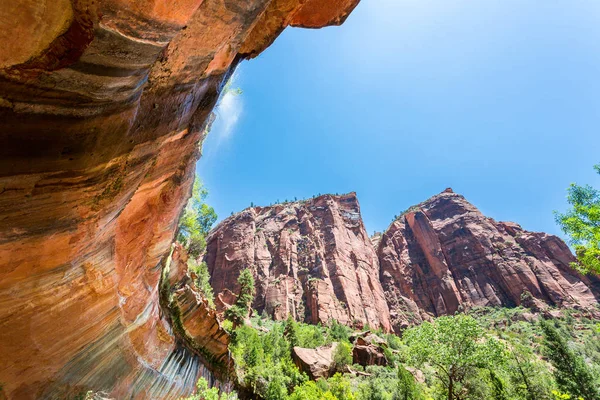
(196, 221)
(241, 308)
(488, 353)
(202, 280)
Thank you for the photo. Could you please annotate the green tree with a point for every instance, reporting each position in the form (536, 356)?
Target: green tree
(342, 356)
(203, 392)
(456, 347)
(196, 221)
(407, 387)
(529, 377)
(582, 224)
(340, 387)
(291, 331)
(202, 280)
(241, 308)
(570, 370)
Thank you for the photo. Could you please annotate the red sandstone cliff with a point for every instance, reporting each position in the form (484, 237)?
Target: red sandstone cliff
(312, 259)
(102, 106)
(444, 255)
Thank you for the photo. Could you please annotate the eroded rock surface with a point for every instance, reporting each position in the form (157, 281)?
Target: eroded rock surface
(444, 255)
(102, 106)
(312, 259)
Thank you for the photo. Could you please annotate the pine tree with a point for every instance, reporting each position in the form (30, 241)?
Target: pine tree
(241, 309)
(291, 331)
(570, 370)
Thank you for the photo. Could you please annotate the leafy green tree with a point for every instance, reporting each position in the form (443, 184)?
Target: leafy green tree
(291, 331)
(310, 336)
(407, 387)
(498, 389)
(203, 280)
(528, 377)
(342, 356)
(241, 308)
(338, 332)
(582, 224)
(456, 347)
(203, 392)
(311, 391)
(196, 221)
(341, 387)
(570, 370)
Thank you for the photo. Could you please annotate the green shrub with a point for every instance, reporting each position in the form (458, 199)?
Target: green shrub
(342, 356)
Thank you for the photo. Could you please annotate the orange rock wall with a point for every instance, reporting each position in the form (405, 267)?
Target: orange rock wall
(103, 105)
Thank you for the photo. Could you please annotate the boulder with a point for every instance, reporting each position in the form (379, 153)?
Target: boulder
(316, 363)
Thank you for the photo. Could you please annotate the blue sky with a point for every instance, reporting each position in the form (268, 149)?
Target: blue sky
(498, 99)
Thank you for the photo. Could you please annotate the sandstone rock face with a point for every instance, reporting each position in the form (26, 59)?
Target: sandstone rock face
(312, 259)
(102, 106)
(444, 255)
(316, 363)
(195, 323)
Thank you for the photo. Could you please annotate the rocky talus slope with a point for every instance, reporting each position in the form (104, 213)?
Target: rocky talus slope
(312, 259)
(444, 255)
(103, 104)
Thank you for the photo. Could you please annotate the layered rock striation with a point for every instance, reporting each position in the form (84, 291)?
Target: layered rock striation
(444, 255)
(311, 259)
(103, 105)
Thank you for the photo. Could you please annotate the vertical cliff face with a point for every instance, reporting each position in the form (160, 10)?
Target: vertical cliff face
(102, 106)
(444, 255)
(312, 259)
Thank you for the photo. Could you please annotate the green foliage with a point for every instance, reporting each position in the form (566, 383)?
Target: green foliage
(527, 377)
(342, 356)
(241, 308)
(456, 347)
(196, 221)
(291, 332)
(582, 224)
(338, 332)
(570, 370)
(203, 280)
(264, 363)
(203, 392)
(497, 356)
(407, 388)
(311, 336)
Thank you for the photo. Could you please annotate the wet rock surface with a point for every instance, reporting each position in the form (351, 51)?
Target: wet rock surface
(103, 105)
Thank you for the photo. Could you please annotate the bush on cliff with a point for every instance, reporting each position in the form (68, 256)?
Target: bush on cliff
(203, 280)
(241, 308)
(196, 221)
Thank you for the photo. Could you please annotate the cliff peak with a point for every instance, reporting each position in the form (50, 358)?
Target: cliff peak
(311, 258)
(444, 255)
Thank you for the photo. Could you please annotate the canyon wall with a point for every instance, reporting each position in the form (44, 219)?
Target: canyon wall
(312, 259)
(103, 104)
(444, 255)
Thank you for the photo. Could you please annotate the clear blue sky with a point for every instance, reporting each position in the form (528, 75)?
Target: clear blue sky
(498, 99)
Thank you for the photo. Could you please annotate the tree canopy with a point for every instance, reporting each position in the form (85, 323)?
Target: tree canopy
(456, 346)
(582, 224)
